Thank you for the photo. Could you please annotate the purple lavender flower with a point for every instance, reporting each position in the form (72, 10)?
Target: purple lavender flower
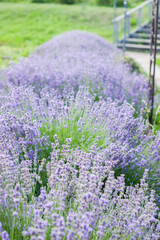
(76, 58)
(5, 235)
(59, 148)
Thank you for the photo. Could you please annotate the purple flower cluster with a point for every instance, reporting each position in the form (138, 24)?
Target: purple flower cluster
(76, 58)
(29, 120)
(4, 235)
(81, 198)
(78, 203)
(72, 167)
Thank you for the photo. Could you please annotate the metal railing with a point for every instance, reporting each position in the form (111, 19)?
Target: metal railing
(117, 20)
(153, 51)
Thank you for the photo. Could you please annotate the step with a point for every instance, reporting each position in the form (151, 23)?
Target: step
(148, 27)
(139, 40)
(149, 23)
(143, 36)
(145, 31)
(136, 47)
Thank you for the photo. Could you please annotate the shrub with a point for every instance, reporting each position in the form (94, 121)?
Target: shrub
(67, 1)
(76, 58)
(29, 129)
(120, 3)
(57, 1)
(64, 148)
(76, 202)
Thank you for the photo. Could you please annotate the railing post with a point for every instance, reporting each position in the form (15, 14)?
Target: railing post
(140, 17)
(115, 8)
(114, 23)
(116, 31)
(128, 24)
(150, 10)
(125, 25)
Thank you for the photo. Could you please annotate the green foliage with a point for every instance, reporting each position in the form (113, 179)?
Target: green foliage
(156, 119)
(82, 138)
(134, 3)
(25, 26)
(14, 226)
(69, 129)
(120, 3)
(134, 65)
(42, 1)
(110, 3)
(158, 62)
(15, 1)
(67, 1)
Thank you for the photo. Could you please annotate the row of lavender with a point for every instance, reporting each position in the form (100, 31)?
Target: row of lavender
(75, 163)
(77, 58)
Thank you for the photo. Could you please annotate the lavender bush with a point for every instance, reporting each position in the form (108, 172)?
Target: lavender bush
(77, 203)
(77, 58)
(74, 161)
(29, 124)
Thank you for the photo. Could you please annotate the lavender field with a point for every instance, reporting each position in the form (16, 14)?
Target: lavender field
(77, 160)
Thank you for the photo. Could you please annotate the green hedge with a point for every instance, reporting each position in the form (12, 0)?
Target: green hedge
(62, 1)
(110, 3)
(98, 2)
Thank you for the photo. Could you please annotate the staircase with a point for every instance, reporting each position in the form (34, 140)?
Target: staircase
(139, 38)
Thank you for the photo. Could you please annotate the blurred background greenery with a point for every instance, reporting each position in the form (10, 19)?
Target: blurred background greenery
(25, 25)
(131, 3)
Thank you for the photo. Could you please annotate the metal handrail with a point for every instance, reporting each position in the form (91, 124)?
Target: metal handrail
(128, 16)
(133, 10)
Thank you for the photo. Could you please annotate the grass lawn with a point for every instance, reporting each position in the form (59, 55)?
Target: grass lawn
(25, 26)
(158, 62)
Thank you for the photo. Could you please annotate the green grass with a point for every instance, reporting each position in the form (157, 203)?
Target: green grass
(25, 26)
(158, 62)
(156, 113)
